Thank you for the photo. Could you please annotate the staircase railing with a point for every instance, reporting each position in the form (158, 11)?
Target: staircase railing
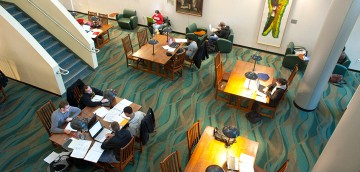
(62, 71)
(93, 50)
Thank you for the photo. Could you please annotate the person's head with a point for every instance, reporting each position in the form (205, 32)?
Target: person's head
(64, 106)
(115, 126)
(281, 81)
(190, 39)
(157, 12)
(87, 89)
(128, 111)
(222, 24)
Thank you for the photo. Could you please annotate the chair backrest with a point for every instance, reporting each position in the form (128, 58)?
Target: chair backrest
(283, 167)
(104, 18)
(193, 136)
(44, 113)
(142, 37)
(292, 75)
(191, 28)
(127, 46)
(171, 163)
(179, 60)
(77, 94)
(91, 14)
(129, 13)
(290, 48)
(218, 69)
(127, 153)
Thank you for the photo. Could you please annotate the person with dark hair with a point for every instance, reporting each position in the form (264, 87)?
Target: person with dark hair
(342, 56)
(135, 120)
(222, 32)
(113, 143)
(62, 115)
(88, 94)
(158, 21)
(191, 48)
(275, 91)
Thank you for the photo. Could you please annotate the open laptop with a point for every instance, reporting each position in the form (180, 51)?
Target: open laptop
(172, 43)
(150, 20)
(98, 132)
(91, 121)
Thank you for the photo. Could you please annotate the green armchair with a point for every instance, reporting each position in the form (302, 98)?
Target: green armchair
(342, 67)
(190, 33)
(225, 45)
(127, 20)
(291, 59)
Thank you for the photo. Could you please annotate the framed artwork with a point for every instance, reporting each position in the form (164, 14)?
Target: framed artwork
(273, 22)
(190, 7)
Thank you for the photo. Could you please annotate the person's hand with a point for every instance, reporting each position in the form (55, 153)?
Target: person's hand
(109, 135)
(265, 89)
(104, 100)
(68, 119)
(67, 131)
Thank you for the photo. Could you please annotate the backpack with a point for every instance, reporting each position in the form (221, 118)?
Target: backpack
(62, 164)
(253, 117)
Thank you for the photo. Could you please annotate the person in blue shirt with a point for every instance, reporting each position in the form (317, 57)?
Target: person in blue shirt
(60, 116)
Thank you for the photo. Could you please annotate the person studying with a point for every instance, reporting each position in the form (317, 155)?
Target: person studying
(62, 115)
(91, 97)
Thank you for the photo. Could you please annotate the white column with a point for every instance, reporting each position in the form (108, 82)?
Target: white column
(335, 31)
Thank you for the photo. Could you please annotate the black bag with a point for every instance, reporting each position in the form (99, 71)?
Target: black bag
(62, 164)
(253, 117)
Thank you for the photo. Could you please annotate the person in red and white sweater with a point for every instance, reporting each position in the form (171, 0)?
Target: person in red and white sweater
(158, 21)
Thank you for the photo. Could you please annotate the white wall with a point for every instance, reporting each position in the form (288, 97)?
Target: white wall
(21, 57)
(243, 16)
(353, 46)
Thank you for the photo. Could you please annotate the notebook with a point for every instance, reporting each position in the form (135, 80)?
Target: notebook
(98, 132)
(150, 20)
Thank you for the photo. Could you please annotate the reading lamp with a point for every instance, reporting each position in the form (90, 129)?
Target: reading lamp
(256, 58)
(153, 42)
(214, 168)
(167, 30)
(231, 132)
(251, 76)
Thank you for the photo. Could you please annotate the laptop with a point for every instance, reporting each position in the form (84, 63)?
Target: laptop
(172, 43)
(98, 132)
(91, 121)
(150, 20)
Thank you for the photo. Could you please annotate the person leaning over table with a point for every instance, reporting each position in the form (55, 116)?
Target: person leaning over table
(114, 142)
(60, 116)
(135, 120)
(191, 48)
(274, 91)
(88, 94)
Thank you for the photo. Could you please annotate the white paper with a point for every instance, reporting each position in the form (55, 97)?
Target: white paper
(171, 50)
(180, 40)
(102, 135)
(50, 158)
(94, 153)
(101, 112)
(246, 162)
(68, 127)
(125, 102)
(119, 107)
(118, 118)
(81, 148)
(166, 47)
(112, 114)
(97, 98)
(73, 143)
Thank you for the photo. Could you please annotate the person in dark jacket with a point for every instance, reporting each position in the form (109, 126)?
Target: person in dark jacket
(114, 143)
(222, 32)
(88, 94)
(274, 91)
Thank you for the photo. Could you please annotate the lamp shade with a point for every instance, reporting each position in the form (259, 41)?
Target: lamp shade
(153, 41)
(256, 57)
(230, 131)
(214, 168)
(251, 75)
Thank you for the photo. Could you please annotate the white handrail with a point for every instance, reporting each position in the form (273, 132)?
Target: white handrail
(62, 71)
(93, 50)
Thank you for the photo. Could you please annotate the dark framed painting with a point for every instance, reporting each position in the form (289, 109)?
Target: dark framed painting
(190, 7)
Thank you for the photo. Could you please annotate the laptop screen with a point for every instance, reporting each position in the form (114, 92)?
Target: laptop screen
(171, 41)
(95, 129)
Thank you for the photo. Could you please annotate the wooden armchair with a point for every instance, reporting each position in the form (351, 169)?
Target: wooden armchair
(91, 14)
(220, 80)
(44, 114)
(142, 37)
(175, 65)
(171, 163)
(193, 136)
(218, 62)
(126, 155)
(292, 75)
(129, 52)
(104, 18)
(270, 108)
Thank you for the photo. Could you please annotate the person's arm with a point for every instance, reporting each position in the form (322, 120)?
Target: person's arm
(269, 89)
(54, 123)
(97, 91)
(86, 100)
(108, 145)
(74, 111)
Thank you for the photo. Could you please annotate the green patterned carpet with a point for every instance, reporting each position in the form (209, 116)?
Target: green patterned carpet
(292, 134)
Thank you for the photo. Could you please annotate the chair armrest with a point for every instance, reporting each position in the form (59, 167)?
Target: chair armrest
(193, 36)
(134, 21)
(201, 28)
(224, 45)
(340, 69)
(119, 16)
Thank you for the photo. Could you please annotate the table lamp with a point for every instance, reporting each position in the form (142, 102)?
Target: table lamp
(256, 58)
(214, 168)
(231, 132)
(167, 30)
(153, 42)
(251, 76)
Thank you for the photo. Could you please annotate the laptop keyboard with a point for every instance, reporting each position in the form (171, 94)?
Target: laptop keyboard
(174, 45)
(102, 135)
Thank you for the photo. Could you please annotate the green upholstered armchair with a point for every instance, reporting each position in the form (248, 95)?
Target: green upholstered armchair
(190, 33)
(225, 45)
(128, 19)
(291, 59)
(342, 68)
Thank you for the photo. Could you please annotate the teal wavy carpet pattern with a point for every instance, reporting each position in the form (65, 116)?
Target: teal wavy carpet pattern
(292, 134)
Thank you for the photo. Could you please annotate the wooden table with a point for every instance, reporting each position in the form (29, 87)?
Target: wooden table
(235, 85)
(88, 113)
(100, 39)
(159, 58)
(209, 151)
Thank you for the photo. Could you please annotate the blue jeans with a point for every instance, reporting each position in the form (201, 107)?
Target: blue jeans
(157, 26)
(108, 156)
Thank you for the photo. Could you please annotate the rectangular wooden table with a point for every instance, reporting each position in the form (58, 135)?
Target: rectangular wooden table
(100, 39)
(235, 85)
(209, 151)
(88, 113)
(159, 58)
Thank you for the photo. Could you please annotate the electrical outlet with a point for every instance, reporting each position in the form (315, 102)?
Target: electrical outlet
(358, 60)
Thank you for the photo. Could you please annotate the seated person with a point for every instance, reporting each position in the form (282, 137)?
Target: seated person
(342, 57)
(222, 32)
(113, 143)
(275, 91)
(135, 120)
(191, 48)
(159, 21)
(60, 116)
(88, 94)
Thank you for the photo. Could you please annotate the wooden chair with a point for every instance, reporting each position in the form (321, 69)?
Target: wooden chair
(218, 62)
(126, 155)
(175, 65)
(104, 18)
(193, 136)
(270, 108)
(77, 94)
(171, 163)
(142, 37)
(44, 114)
(129, 51)
(292, 75)
(91, 14)
(220, 83)
(281, 169)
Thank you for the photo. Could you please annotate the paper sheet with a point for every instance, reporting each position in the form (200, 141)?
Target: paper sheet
(246, 162)
(97, 98)
(180, 40)
(125, 102)
(112, 114)
(166, 47)
(81, 148)
(171, 50)
(50, 158)
(68, 127)
(94, 153)
(73, 143)
(101, 112)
